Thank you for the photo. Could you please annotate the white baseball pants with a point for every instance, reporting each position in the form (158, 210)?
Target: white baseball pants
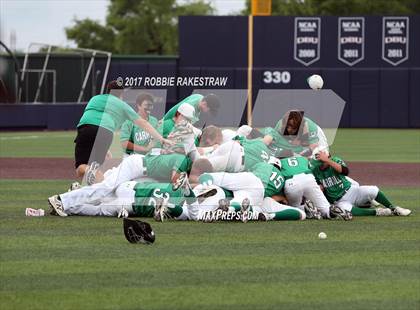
(357, 196)
(304, 185)
(130, 168)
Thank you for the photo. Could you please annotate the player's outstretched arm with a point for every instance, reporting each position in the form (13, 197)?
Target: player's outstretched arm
(150, 129)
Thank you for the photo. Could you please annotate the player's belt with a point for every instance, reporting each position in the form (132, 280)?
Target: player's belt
(345, 192)
(305, 172)
(144, 166)
(242, 158)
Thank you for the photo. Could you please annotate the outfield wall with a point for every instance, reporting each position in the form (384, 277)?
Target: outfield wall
(372, 62)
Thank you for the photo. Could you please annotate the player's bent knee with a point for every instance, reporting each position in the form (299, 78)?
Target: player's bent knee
(372, 192)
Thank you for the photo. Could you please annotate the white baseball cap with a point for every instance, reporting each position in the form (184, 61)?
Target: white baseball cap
(186, 110)
(244, 130)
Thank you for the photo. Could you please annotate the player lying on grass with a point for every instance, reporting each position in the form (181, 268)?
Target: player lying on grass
(161, 200)
(138, 198)
(255, 194)
(254, 151)
(300, 183)
(134, 139)
(160, 167)
(161, 164)
(330, 173)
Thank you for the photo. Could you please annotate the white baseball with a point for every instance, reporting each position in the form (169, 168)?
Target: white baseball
(322, 235)
(315, 82)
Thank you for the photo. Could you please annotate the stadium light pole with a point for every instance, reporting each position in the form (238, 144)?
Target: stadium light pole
(258, 7)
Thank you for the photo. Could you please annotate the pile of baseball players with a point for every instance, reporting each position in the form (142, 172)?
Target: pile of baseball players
(173, 170)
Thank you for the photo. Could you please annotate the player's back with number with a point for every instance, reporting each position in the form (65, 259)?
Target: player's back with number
(291, 166)
(147, 193)
(271, 177)
(255, 151)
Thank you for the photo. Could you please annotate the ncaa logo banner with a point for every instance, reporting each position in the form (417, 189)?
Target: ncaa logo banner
(395, 39)
(351, 40)
(307, 39)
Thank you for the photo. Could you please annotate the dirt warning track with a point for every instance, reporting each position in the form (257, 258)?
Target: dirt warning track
(383, 174)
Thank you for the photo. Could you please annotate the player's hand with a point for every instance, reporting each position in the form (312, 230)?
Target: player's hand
(322, 156)
(149, 147)
(167, 142)
(215, 146)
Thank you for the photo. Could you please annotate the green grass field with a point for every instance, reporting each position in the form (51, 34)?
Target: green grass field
(86, 263)
(375, 145)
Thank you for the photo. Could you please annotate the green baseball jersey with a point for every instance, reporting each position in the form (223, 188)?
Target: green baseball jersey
(147, 193)
(160, 167)
(193, 100)
(271, 177)
(310, 127)
(135, 134)
(279, 142)
(291, 166)
(255, 151)
(107, 111)
(166, 127)
(335, 184)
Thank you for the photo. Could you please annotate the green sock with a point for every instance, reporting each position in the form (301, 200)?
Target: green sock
(174, 211)
(381, 198)
(363, 211)
(288, 214)
(236, 205)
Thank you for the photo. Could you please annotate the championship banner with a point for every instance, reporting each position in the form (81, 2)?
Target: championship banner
(351, 39)
(395, 35)
(307, 40)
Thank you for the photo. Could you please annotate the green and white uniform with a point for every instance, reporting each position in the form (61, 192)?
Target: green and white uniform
(146, 195)
(271, 177)
(168, 123)
(301, 183)
(160, 167)
(103, 115)
(279, 142)
(133, 167)
(265, 180)
(255, 151)
(136, 135)
(242, 184)
(335, 184)
(309, 127)
(258, 186)
(339, 190)
(139, 199)
(292, 166)
(107, 111)
(239, 154)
